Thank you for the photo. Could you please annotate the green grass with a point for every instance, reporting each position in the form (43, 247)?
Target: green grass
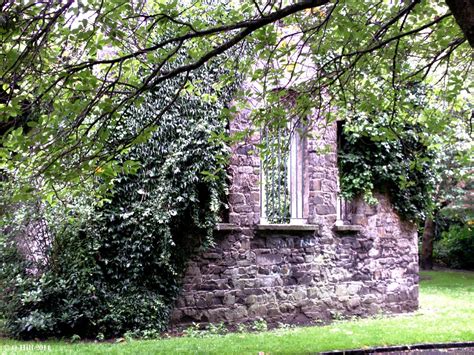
(446, 315)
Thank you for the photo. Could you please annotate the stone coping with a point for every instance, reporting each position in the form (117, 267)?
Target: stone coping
(348, 228)
(228, 227)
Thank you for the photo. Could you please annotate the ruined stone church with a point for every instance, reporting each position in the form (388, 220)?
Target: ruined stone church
(292, 251)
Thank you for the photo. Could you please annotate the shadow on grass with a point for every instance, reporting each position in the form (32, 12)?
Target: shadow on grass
(448, 280)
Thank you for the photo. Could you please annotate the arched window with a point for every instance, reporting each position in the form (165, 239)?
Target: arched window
(282, 173)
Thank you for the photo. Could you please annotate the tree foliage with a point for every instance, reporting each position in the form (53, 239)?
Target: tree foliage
(117, 268)
(417, 168)
(104, 96)
(456, 247)
(70, 70)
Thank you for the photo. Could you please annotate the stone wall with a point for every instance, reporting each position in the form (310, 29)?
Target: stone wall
(244, 171)
(303, 277)
(300, 274)
(321, 172)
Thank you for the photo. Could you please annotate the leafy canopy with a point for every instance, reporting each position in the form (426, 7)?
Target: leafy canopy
(70, 70)
(117, 268)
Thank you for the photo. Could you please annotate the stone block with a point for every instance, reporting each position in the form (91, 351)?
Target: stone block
(341, 290)
(269, 259)
(217, 315)
(228, 299)
(211, 255)
(238, 313)
(305, 279)
(254, 198)
(190, 301)
(273, 310)
(369, 299)
(325, 209)
(298, 296)
(190, 312)
(251, 299)
(242, 208)
(257, 311)
(236, 199)
(234, 218)
(318, 200)
(286, 307)
(354, 302)
(310, 310)
(374, 253)
(359, 219)
(394, 286)
(353, 288)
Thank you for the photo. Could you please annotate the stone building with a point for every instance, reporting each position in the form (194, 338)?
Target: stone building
(319, 260)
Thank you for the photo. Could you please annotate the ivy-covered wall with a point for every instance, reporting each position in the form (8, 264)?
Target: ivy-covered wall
(114, 268)
(119, 268)
(300, 274)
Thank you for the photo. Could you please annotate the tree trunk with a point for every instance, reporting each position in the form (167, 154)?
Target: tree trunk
(463, 11)
(427, 245)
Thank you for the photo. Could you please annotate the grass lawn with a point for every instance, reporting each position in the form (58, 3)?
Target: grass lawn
(446, 315)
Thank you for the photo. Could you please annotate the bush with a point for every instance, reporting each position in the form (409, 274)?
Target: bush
(455, 249)
(118, 269)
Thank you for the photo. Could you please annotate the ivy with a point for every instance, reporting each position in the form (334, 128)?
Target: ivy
(118, 268)
(402, 167)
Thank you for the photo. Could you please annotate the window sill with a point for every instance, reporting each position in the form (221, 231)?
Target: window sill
(230, 227)
(287, 227)
(343, 229)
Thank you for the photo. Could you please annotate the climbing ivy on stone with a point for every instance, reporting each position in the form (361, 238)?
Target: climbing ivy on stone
(402, 167)
(119, 270)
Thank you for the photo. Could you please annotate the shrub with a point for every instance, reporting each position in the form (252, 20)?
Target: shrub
(455, 249)
(260, 325)
(117, 269)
